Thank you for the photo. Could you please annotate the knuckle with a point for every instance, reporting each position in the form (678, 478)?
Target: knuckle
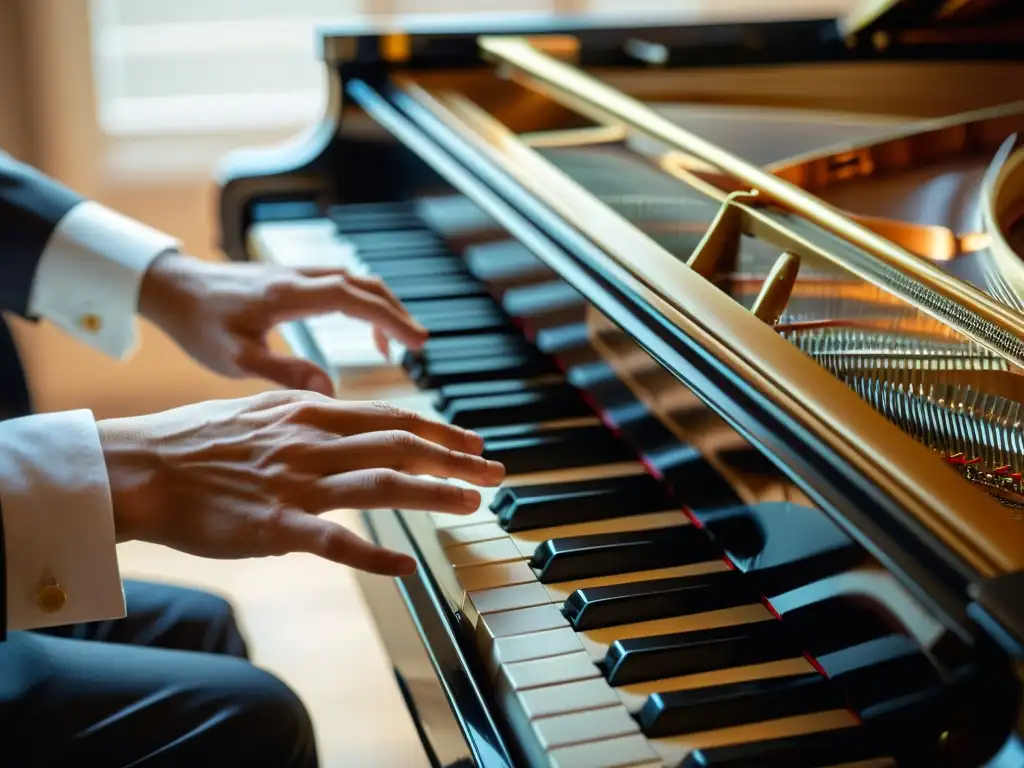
(278, 289)
(384, 408)
(276, 460)
(287, 397)
(373, 283)
(384, 480)
(271, 528)
(323, 541)
(307, 410)
(400, 440)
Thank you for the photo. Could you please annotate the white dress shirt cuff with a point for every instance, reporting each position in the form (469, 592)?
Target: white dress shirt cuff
(59, 539)
(88, 277)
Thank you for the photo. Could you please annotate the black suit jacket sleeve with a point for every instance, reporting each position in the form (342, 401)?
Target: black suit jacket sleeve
(31, 206)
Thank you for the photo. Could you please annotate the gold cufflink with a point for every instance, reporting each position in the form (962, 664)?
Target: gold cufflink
(90, 322)
(50, 597)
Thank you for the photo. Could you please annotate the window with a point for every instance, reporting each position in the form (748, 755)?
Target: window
(224, 66)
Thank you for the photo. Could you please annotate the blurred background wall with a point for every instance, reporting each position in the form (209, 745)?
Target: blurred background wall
(48, 118)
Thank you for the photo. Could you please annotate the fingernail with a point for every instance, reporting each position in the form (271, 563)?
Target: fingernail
(319, 383)
(405, 565)
(496, 468)
(470, 498)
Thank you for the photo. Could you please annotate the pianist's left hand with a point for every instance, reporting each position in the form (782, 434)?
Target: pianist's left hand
(221, 314)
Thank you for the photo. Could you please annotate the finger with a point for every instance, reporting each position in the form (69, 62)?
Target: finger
(369, 284)
(380, 340)
(302, 532)
(336, 294)
(392, 321)
(409, 453)
(388, 489)
(360, 417)
(380, 288)
(290, 372)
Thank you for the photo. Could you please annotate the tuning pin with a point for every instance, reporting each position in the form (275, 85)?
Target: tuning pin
(777, 288)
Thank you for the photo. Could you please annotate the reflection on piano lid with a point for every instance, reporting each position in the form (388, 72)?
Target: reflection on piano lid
(739, 304)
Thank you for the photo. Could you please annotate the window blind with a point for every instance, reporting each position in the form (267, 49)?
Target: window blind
(215, 66)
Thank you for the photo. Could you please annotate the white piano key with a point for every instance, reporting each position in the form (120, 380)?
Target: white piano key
(483, 553)
(469, 534)
(482, 514)
(509, 598)
(521, 621)
(495, 575)
(622, 752)
(581, 727)
(524, 675)
(563, 699)
(536, 645)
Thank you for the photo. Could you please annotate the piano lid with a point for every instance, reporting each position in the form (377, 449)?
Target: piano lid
(885, 24)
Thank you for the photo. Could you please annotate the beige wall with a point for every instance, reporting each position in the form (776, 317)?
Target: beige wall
(13, 126)
(46, 118)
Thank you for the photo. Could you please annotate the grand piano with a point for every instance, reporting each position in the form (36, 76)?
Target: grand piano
(740, 304)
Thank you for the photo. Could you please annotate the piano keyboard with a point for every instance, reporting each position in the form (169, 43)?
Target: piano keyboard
(617, 630)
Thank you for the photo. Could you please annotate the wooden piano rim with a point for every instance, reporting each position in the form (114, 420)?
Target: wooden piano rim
(755, 353)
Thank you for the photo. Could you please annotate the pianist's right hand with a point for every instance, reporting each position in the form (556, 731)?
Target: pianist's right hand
(249, 477)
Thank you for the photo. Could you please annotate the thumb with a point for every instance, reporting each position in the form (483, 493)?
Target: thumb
(290, 372)
(303, 532)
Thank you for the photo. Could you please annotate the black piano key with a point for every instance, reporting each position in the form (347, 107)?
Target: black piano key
(426, 310)
(385, 240)
(563, 339)
(826, 623)
(453, 348)
(886, 668)
(606, 554)
(640, 659)
(530, 406)
(534, 450)
(596, 607)
(545, 305)
(447, 395)
(446, 287)
(374, 217)
(380, 259)
(457, 324)
(426, 267)
(433, 374)
(782, 545)
(812, 750)
(456, 349)
(543, 506)
(505, 263)
(722, 706)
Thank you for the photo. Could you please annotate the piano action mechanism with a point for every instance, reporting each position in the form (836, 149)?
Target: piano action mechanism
(739, 305)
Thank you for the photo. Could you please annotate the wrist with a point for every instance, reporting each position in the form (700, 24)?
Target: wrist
(134, 478)
(166, 284)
